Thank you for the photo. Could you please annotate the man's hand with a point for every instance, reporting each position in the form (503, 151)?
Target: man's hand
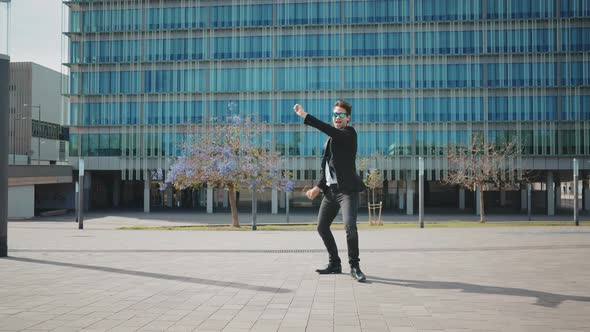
(312, 193)
(300, 111)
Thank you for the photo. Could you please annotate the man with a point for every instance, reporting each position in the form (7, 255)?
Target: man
(340, 184)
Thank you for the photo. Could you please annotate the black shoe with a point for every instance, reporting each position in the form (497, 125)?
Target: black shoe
(331, 268)
(357, 274)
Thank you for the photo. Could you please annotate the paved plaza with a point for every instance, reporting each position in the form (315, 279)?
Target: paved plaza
(59, 278)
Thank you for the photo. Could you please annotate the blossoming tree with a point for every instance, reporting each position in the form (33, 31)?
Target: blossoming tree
(230, 155)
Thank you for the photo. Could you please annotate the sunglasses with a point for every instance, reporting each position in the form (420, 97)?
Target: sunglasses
(339, 115)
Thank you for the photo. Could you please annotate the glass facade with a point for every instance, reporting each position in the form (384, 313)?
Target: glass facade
(421, 75)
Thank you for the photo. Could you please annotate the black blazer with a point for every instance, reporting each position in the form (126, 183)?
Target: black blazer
(343, 145)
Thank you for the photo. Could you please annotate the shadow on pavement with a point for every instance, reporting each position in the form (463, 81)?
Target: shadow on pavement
(153, 275)
(544, 299)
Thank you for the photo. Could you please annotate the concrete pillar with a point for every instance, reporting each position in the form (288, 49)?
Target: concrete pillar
(462, 198)
(523, 200)
(225, 198)
(76, 198)
(558, 195)
(117, 192)
(274, 206)
(87, 187)
(282, 200)
(147, 185)
(202, 196)
(550, 194)
(400, 199)
(502, 197)
(218, 197)
(410, 197)
(586, 195)
(170, 201)
(209, 199)
(477, 193)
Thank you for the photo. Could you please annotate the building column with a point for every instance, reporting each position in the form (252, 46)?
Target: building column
(558, 195)
(170, 201)
(194, 198)
(282, 200)
(586, 195)
(225, 198)
(117, 192)
(477, 207)
(461, 198)
(502, 197)
(147, 185)
(209, 199)
(550, 189)
(400, 197)
(274, 206)
(87, 187)
(410, 197)
(218, 197)
(523, 199)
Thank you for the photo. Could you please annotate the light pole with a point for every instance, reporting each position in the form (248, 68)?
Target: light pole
(576, 220)
(38, 107)
(421, 192)
(529, 200)
(287, 205)
(254, 203)
(13, 138)
(4, 121)
(80, 212)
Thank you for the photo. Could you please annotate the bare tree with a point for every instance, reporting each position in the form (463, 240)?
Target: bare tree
(373, 181)
(484, 165)
(373, 178)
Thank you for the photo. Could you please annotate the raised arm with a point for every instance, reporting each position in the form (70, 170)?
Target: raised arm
(326, 128)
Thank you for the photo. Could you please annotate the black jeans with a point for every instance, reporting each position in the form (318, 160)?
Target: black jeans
(331, 204)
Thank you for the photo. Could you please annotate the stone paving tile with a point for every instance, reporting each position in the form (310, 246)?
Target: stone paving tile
(49, 325)
(402, 329)
(292, 329)
(136, 322)
(122, 328)
(471, 287)
(264, 328)
(157, 325)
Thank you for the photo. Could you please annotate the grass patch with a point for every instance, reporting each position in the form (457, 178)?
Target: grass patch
(360, 225)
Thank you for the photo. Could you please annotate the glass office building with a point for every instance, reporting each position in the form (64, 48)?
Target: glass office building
(421, 75)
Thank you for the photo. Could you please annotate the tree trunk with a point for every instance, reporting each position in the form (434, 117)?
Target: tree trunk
(482, 218)
(233, 206)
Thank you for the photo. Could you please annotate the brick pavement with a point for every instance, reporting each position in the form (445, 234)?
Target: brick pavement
(58, 278)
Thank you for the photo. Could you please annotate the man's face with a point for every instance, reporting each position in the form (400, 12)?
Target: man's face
(339, 117)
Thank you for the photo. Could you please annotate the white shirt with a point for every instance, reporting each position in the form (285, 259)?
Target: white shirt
(329, 179)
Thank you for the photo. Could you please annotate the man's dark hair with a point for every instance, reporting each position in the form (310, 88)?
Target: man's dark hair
(344, 104)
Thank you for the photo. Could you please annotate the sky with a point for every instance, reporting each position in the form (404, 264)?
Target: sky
(35, 27)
